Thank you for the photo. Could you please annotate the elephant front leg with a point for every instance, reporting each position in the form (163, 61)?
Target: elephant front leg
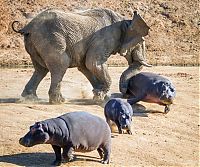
(104, 81)
(132, 70)
(29, 92)
(101, 72)
(93, 80)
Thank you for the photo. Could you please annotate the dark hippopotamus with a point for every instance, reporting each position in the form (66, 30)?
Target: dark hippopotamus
(151, 88)
(120, 112)
(78, 131)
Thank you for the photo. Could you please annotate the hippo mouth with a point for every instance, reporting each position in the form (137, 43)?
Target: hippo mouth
(167, 101)
(125, 127)
(25, 143)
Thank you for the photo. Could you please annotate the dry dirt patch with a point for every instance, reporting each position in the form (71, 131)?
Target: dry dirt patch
(158, 139)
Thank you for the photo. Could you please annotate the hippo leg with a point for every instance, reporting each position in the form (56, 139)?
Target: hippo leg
(109, 122)
(167, 109)
(134, 100)
(100, 151)
(119, 126)
(57, 151)
(67, 153)
(106, 152)
(129, 131)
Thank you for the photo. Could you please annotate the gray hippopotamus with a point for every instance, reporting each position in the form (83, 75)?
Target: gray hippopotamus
(151, 88)
(78, 131)
(120, 112)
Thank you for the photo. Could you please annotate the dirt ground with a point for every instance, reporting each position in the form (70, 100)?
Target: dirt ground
(158, 139)
(174, 37)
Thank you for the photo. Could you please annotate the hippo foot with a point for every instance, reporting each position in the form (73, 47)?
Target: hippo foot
(129, 132)
(100, 151)
(167, 109)
(120, 132)
(105, 161)
(28, 98)
(99, 96)
(69, 158)
(56, 163)
(56, 99)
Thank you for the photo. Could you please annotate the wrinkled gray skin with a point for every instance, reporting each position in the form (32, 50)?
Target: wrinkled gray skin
(78, 131)
(120, 112)
(57, 40)
(151, 88)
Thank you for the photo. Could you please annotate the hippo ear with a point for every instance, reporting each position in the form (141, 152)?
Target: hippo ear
(44, 127)
(32, 129)
(40, 126)
(36, 126)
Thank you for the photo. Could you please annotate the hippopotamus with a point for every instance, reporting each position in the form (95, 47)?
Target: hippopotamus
(120, 112)
(78, 131)
(151, 88)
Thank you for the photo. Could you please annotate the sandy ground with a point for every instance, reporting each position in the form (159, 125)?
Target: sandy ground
(158, 139)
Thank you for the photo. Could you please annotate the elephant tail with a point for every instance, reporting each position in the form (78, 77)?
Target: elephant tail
(21, 31)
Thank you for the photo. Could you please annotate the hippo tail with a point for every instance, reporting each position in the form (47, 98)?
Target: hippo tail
(21, 31)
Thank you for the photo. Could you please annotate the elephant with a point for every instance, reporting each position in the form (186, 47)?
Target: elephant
(56, 41)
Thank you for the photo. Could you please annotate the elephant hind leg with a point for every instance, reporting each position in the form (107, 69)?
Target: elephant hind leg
(57, 65)
(29, 92)
(93, 80)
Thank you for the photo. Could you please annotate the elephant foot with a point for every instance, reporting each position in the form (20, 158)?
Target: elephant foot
(56, 99)
(28, 98)
(99, 96)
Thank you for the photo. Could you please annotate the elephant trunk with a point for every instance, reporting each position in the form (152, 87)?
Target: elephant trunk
(132, 70)
(145, 63)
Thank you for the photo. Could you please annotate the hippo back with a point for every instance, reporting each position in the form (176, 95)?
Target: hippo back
(86, 131)
(143, 81)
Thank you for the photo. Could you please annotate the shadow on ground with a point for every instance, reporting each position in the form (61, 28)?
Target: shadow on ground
(79, 157)
(40, 159)
(141, 111)
(29, 159)
(9, 100)
(81, 102)
(23, 101)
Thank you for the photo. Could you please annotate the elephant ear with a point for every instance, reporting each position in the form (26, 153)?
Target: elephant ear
(139, 25)
(135, 33)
